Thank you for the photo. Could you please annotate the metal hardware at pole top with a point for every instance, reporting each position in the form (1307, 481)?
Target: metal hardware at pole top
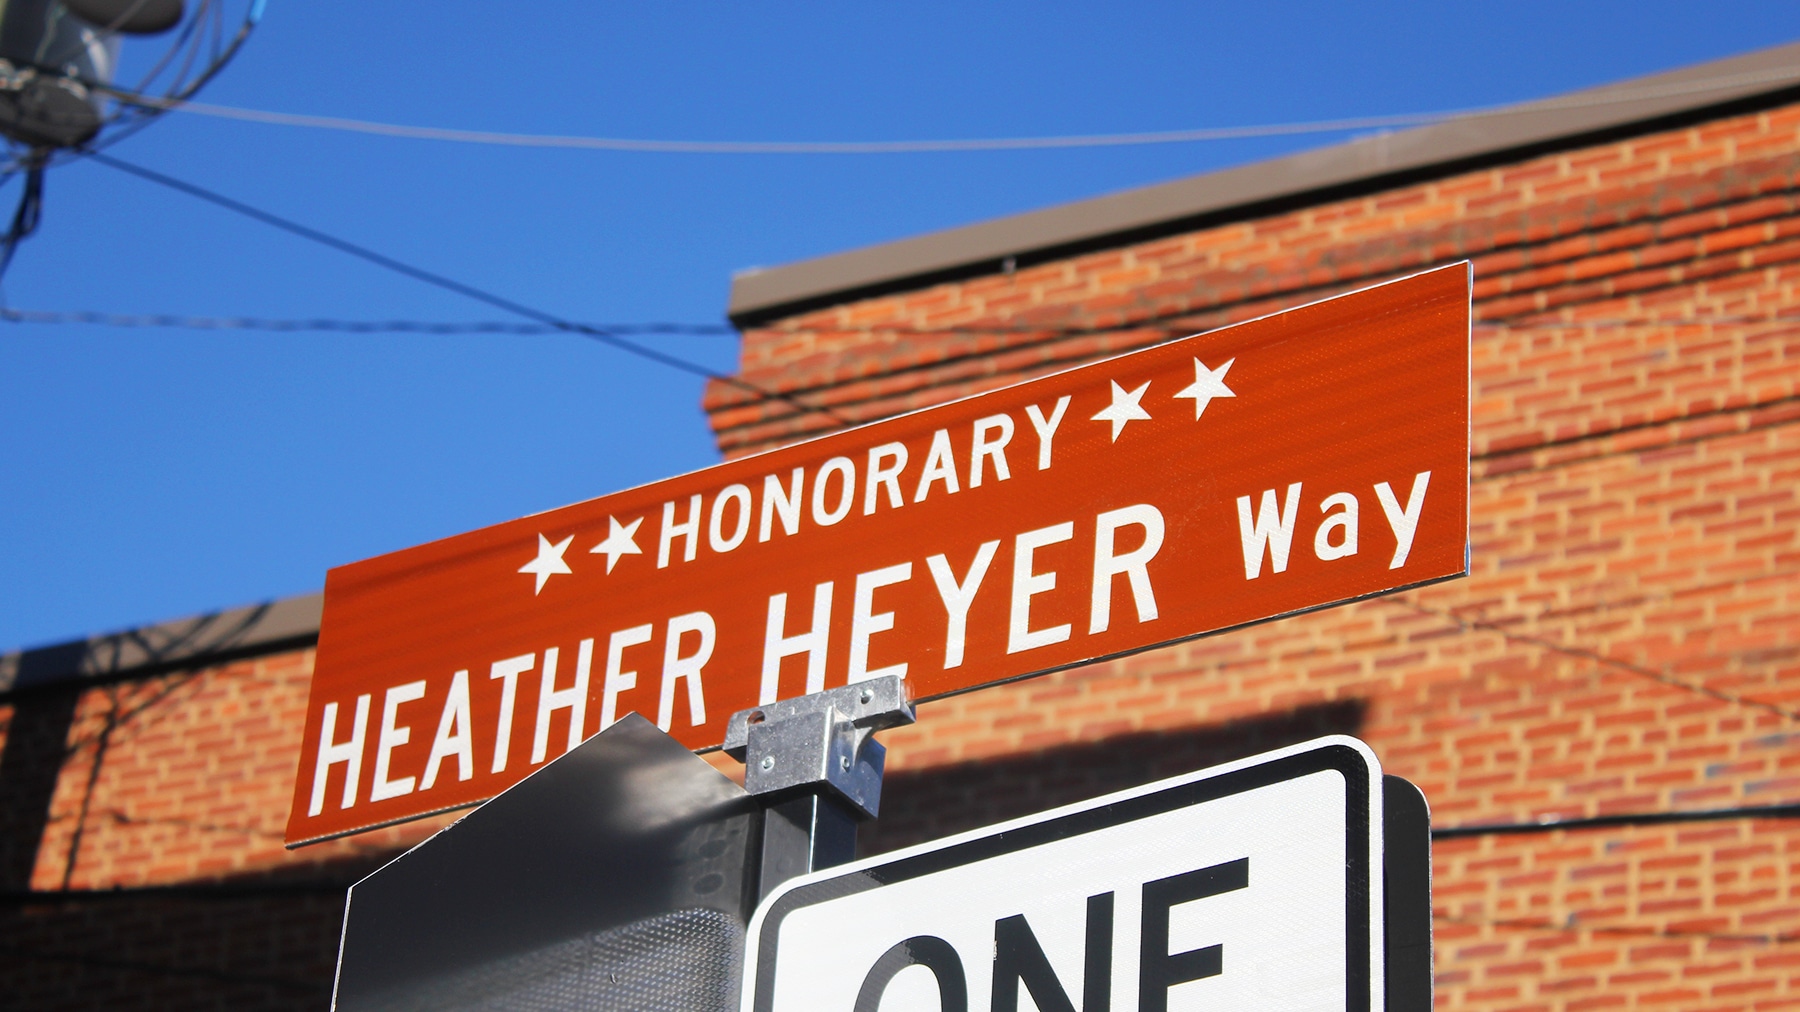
(815, 766)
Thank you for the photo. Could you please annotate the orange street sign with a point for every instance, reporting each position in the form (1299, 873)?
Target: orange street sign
(1300, 460)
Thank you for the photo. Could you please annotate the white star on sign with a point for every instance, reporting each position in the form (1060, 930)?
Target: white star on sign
(1124, 408)
(1208, 383)
(618, 542)
(549, 561)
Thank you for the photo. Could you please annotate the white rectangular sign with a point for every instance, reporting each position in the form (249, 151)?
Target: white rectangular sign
(1250, 886)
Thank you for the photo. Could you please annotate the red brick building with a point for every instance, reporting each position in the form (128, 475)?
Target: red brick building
(1627, 644)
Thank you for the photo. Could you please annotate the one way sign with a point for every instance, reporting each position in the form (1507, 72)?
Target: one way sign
(1255, 885)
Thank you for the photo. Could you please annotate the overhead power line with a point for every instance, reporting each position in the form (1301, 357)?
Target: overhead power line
(1614, 96)
(331, 325)
(449, 284)
(1617, 820)
(1470, 625)
(183, 321)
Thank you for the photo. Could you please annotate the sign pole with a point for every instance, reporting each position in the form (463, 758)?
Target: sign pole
(804, 834)
(1406, 874)
(814, 765)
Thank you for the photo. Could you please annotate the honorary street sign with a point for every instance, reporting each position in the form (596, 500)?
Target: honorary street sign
(1304, 459)
(1250, 886)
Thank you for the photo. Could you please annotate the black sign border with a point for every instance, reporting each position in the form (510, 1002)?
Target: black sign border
(1341, 758)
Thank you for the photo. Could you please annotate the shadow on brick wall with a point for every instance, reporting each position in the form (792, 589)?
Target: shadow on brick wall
(264, 943)
(36, 742)
(269, 941)
(920, 805)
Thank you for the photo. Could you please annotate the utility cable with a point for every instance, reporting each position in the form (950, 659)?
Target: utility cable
(139, 321)
(1611, 96)
(610, 336)
(1467, 625)
(1623, 819)
(451, 285)
(26, 215)
(183, 321)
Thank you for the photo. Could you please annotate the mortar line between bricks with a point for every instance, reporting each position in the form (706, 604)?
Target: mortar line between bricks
(1523, 924)
(1552, 444)
(1152, 323)
(1643, 427)
(1318, 290)
(1582, 653)
(1304, 293)
(1054, 363)
(1644, 597)
(210, 891)
(1639, 598)
(93, 782)
(163, 970)
(123, 818)
(1169, 332)
(175, 684)
(1751, 408)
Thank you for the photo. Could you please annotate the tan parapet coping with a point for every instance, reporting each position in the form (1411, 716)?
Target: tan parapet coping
(1366, 164)
(201, 640)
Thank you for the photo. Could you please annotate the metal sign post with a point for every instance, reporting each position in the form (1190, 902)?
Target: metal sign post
(814, 764)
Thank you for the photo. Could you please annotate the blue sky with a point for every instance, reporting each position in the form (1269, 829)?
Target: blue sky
(150, 474)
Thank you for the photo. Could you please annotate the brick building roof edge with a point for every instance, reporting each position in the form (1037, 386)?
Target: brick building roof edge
(198, 641)
(758, 296)
(1251, 190)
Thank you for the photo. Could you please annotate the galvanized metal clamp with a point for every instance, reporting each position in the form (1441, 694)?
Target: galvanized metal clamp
(822, 740)
(815, 765)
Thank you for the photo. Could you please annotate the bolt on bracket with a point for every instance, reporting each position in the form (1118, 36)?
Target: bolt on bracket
(825, 739)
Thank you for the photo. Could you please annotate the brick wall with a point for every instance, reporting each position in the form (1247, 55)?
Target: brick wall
(1628, 639)
(147, 819)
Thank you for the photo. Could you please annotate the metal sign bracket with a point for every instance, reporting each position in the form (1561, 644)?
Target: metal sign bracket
(814, 765)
